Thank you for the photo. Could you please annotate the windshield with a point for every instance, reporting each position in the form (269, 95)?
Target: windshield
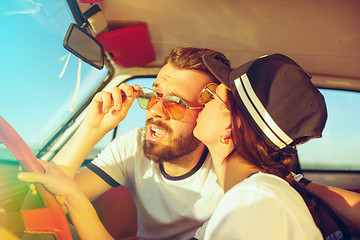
(33, 98)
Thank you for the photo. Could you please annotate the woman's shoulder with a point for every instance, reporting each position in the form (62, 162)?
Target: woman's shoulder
(263, 189)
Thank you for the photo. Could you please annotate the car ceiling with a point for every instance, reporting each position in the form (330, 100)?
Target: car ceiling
(323, 36)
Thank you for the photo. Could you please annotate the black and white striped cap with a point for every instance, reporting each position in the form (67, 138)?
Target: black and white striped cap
(277, 98)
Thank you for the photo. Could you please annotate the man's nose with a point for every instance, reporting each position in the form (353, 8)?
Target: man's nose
(158, 111)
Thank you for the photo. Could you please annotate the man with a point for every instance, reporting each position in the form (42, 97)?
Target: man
(165, 167)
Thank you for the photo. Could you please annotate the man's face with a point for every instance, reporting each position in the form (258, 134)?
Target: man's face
(165, 138)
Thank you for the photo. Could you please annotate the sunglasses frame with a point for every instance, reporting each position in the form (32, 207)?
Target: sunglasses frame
(214, 94)
(163, 98)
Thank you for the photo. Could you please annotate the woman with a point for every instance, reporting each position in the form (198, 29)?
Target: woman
(262, 110)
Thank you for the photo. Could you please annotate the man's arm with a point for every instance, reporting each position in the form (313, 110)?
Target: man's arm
(345, 203)
(74, 152)
(105, 112)
(90, 183)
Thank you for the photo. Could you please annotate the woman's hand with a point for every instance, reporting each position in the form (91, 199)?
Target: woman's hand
(82, 213)
(54, 180)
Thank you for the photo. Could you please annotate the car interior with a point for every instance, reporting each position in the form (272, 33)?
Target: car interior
(121, 41)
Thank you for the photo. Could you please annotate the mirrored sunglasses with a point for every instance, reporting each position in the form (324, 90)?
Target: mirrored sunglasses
(174, 107)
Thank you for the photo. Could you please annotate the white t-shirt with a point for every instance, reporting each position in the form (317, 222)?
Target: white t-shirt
(168, 207)
(263, 206)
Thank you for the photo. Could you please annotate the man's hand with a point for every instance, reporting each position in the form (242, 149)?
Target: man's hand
(105, 112)
(108, 109)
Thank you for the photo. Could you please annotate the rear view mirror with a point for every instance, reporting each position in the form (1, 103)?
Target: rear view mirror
(84, 46)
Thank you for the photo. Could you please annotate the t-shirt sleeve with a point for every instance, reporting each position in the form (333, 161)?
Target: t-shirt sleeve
(200, 232)
(116, 161)
(107, 178)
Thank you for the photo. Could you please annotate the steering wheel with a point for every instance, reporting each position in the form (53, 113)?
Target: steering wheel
(50, 219)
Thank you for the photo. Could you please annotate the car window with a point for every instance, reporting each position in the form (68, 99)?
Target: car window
(33, 98)
(338, 149)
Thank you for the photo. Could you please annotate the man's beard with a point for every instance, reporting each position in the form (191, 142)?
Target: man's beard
(176, 147)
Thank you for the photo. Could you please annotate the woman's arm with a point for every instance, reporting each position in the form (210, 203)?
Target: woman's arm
(346, 204)
(84, 217)
(67, 193)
